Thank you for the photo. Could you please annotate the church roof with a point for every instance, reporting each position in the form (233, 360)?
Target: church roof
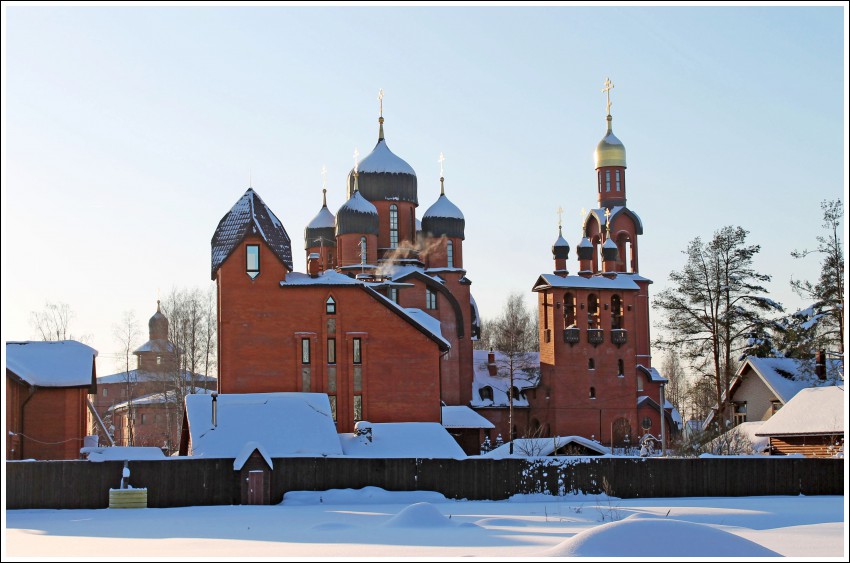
(157, 345)
(443, 218)
(384, 176)
(599, 215)
(357, 215)
(610, 151)
(250, 215)
(620, 281)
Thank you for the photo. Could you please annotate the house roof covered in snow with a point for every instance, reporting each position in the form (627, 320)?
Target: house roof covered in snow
(740, 439)
(141, 376)
(63, 363)
(812, 411)
(157, 345)
(250, 215)
(619, 281)
(526, 376)
(534, 447)
(462, 416)
(403, 440)
(158, 398)
(286, 424)
(121, 453)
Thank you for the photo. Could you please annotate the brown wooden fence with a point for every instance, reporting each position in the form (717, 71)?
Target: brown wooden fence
(189, 482)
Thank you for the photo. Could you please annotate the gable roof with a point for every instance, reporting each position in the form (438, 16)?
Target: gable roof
(249, 215)
(63, 363)
(286, 424)
(812, 411)
(139, 376)
(403, 440)
(463, 417)
(526, 376)
(619, 281)
(534, 447)
(245, 454)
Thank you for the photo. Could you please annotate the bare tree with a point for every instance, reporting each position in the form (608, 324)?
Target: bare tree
(127, 334)
(53, 321)
(676, 390)
(513, 336)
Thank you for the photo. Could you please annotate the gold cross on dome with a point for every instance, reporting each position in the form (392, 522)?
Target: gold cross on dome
(441, 160)
(381, 102)
(324, 176)
(356, 156)
(582, 213)
(608, 221)
(560, 212)
(608, 86)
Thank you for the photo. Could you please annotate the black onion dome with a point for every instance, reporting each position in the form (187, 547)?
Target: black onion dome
(609, 250)
(383, 176)
(443, 219)
(321, 231)
(357, 216)
(561, 249)
(585, 249)
(158, 325)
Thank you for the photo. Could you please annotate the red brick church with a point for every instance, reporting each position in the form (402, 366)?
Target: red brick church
(383, 320)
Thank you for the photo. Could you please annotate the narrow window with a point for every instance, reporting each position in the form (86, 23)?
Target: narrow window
(607, 180)
(569, 310)
(593, 392)
(515, 393)
(412, 225)
(646, 423)
(393, 226)
(363, 251)
(144, 418)
(640, 382)
(617, 178)
(356, 351)
(330, 306)
(450, 254)
(252, 265)
(105, 392)
(358, 408)
(430, 299)
(592, 311)
(305, 350)
(331, 350)
(600, 181)
(620, 368)
(616, 312)
(393, 294)
(159, 360)
(591, 364)
(332, 399)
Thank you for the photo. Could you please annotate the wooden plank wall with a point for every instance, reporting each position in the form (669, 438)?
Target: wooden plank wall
(189, 482)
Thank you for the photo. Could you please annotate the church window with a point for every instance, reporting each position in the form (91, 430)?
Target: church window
(593, 392)
(620, 368)
(358, 408)
(646, 423)
(640, 382)
(569, 310)
(591, 364)
(363, 251)
(515, 393)
(159, 360)
(105, 392)
(252, 264)
(616, 312)
(450, 254)
(617, 178)
(600, 181)
(330, 306)
(331, 350)
(486, 393)
(332, 399)
(393, 226)
(393, 294)
(592, 311)
(357, 352)
(430, 299)
(305, 350)
(144, 418)
(607, 180)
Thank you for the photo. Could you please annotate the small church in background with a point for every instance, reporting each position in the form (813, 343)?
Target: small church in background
(383, 321)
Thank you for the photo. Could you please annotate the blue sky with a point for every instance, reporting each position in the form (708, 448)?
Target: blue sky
(130, 131)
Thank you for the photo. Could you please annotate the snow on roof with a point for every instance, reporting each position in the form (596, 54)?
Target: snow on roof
(156, 345)
(817, 410)
(359, 204)
(249, 212)
(63, 363)
(788, 376)
(533, 447)
(463, 417)
(403, 440)
(526, 376)
(157, 398)
(138, 376)
(443, 208)
(287, 424)
(327, 277)
(246, 452)
(323, 219)
(740, 439)
(652, 374)
(428, 322)
(619, 281)
(122, 453)
(382, 159)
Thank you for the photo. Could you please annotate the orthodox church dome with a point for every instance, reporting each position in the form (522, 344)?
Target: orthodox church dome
(357, 216)
(610, 151)
(383, 175)
(321, 227)
(561, 249)
(158, 325)
(443, 218)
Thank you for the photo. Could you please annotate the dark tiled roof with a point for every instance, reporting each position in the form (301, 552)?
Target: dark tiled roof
(249, 215)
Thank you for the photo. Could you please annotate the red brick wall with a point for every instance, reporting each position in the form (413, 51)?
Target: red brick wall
(53, 422)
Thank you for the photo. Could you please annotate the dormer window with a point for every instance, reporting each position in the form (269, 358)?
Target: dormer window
(252, 262)
(330, 306)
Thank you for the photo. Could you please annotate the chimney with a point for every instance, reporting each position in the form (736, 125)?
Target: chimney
(820, 364)
(313, 264)
(491, 363)
(214, 409)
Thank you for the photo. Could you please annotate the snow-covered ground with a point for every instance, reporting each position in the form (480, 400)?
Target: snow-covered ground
(372, 522)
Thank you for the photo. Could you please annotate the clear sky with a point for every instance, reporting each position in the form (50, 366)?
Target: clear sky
(129, 131)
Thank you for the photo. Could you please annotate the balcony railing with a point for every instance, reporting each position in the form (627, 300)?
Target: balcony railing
(595, 336)
(619, 336)
(571, 335)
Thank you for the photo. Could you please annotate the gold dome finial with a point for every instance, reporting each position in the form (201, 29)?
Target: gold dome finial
(610, 150)
(356, 155)
(608, 86)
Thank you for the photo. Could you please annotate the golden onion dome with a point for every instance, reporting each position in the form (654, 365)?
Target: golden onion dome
(610, 151)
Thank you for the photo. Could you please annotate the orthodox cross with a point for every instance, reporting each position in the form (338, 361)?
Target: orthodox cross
(441, 160)
(356, 155)
(381, 102)
(608, 221)
(560, 212)
(607, 90)
(324, 177)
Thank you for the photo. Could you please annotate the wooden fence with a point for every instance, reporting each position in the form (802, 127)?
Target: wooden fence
(189, 482)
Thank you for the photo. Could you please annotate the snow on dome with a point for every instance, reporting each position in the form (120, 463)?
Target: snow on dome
(383, 160)
(443, 208)
(358, 204)
(443, 219)
(561, 241)
(585, 243)
(609, 243)
(323, 219)
(357, 215)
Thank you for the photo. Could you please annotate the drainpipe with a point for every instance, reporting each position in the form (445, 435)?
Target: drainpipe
(661, 408)
(33, 389)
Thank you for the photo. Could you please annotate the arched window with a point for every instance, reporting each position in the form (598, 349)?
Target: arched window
(515, 393)
(617, 178)
(616, 312)
(486, 393)
(569, 310)
(393, 226)
(330, 306)
(591, 364)
(620, 368)
(363, 251)
(592, 311)
(593, 392)
(450, 254)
